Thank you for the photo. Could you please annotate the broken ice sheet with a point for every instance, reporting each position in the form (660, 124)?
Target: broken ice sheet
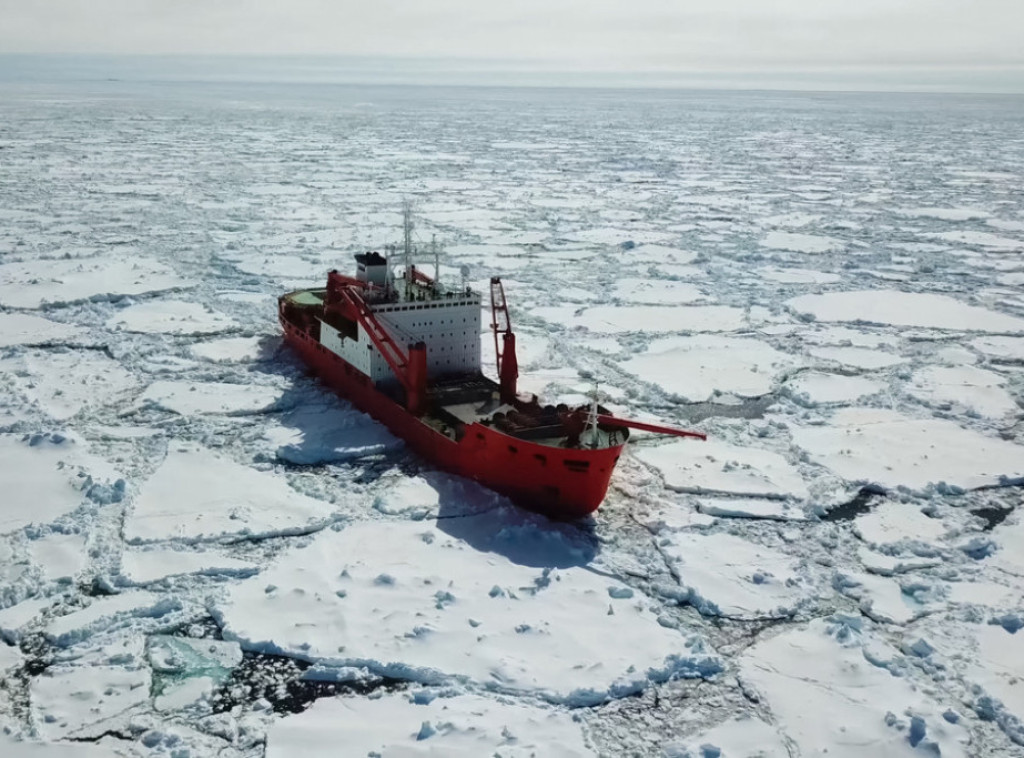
(700, 367)
(434, 608)
(829, 695)
(327, 430)
(718, 467)
(884, 447)
(48, 475)
(204, 398)
(461, 726)
(724, 575)
(199, 495)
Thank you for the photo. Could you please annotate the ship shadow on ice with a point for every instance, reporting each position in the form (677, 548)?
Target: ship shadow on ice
(491, 523)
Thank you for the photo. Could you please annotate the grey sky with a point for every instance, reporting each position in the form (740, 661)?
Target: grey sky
(581, 35)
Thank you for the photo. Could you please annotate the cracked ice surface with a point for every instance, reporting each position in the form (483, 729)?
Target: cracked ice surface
(698, 368)
(723, 575)
(825, 684)
(677, 259)
(170, 317)
(877, 446)
(465, 726)
(36, 283)
(434, 609)
(718, 467)
(198, 495)
(905, 309)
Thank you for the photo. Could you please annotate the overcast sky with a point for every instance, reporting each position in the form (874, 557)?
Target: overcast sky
(984, 38)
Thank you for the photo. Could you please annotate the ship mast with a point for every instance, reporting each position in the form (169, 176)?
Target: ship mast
(407, 230)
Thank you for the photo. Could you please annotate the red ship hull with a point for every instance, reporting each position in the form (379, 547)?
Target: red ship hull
(562, 483)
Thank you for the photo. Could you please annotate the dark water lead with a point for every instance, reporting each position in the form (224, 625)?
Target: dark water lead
(279, 681)
(863, 502)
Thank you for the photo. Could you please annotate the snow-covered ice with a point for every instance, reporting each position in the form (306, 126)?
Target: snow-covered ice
(895, 308)
(828, 286)
(434, 608)
(33, 284)
(884, 447)
(424, 724)
(170, 317)
(830, 695)
(199, 495)
(718, 467)
(701, 367)
(723, 575)
(200, 398)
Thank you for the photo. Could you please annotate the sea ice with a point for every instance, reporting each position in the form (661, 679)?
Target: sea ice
(46, 476)
(424, 724)
(814, 388)
(202, 398)
(197, 494)
(895, 308)
(434, 608)
(34, 283)
(83, 701)
(328, 430)
(612, 319)
(28, 329)
(801, 243)
(977, 391)
(700, 367)
(723, 575)
(884, 447)
(829, 699)
(857, 357)
(145, 566)
(63, 383)
(717, 467)
(170, 317)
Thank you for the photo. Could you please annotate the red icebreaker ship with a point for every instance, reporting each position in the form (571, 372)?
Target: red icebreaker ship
(407, 351)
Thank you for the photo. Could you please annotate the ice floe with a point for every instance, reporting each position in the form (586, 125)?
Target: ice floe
(718, 467)
(28, 329)
(611, 319)
(46, 476)
(657, 291)
(701, 367)
(170, 317)
(976, 391)
(744, 737)
(884, 447)
(33, 284)
(197, 494)
(432, 607)
(462, 726)
(1001, 348)
(813, 388)
(147, 565)
(328, 430)
(59, 556)
(857, 357)
(237, 349)
(63, 383)
(801, 243)
(895, 308)
(83, 701)
(828, 696)
(203, 398)
(724, 575)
